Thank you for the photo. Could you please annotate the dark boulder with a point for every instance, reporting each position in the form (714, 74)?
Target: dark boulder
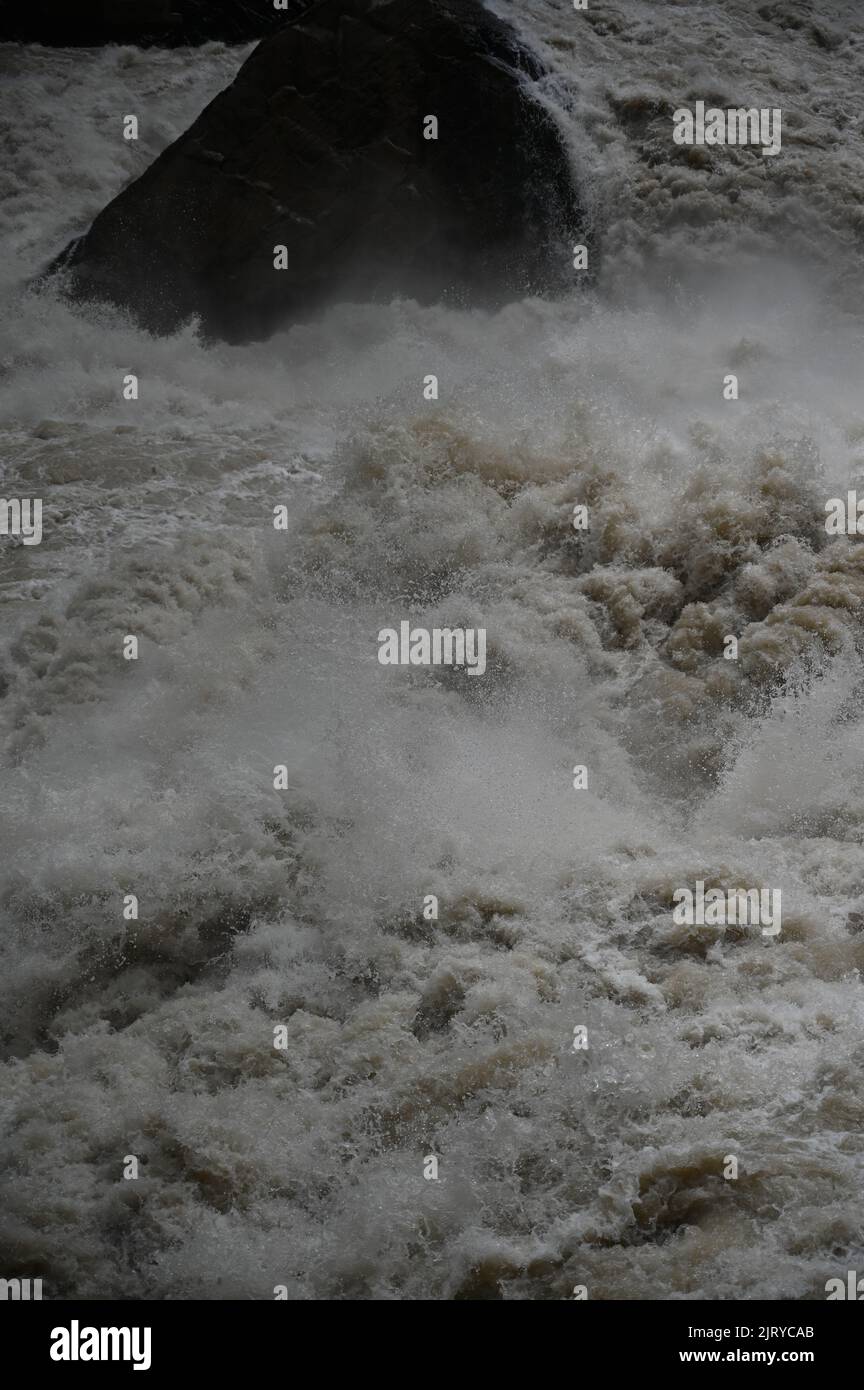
(318, 146)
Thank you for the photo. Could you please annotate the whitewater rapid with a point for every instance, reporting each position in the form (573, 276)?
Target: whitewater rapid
(303, 1167)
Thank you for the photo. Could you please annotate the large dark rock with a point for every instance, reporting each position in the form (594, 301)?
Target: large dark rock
(165, 23)
(318, 145)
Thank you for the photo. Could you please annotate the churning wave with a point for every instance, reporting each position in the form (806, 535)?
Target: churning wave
(303, 1166)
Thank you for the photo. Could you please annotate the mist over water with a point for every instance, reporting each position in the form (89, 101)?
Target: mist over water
(303, 907)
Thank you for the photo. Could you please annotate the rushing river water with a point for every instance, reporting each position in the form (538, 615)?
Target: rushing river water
(303, 1165)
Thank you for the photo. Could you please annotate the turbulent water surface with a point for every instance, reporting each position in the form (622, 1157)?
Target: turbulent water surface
(303, 907)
